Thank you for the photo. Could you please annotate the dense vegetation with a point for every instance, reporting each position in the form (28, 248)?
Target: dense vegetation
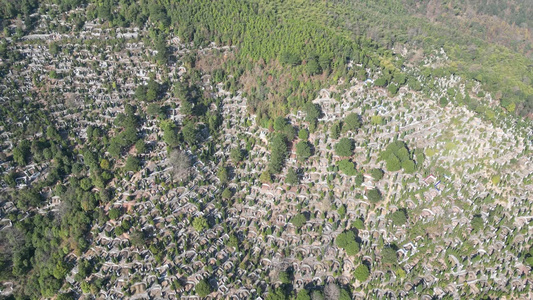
(307, 42)
(397, 156)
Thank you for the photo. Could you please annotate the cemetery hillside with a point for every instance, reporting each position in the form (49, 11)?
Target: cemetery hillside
(254, 149)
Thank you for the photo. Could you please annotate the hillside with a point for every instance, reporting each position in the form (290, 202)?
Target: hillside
(266, 149)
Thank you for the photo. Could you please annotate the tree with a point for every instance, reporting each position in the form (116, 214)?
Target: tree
(377, 174)
(347, 241)
(170, 133)
(388, 255)
(361, 273)
(289, 131)
(317, 295)
(393, 163)
(381, 82)
(61, 270)
(227, 193)
(352, 122)
(21, 154)
(266, 177)
(343, 238)
(299, 220)
(289, 58)
(303, 150)
(186, 107)
(332, 291)
(376, 120)
(335, 130)
(223, 174)
(138, 238)
(279, 152)
(277, 294)
(345, 295)
(53, 134)
(313, 112)
(292, 177)
(154, 110)
(324, 60)
(105, 164)
(398, 156)
(132, 164)
(86, 184)
(399, 217)
(151, 95)
(233, 242)
(149, 92)
(140, 93)
(529, 257)
(352, 248)
(285, 277)
(477, 222)
(115, 149)
(66, 296)
(359, 224)
(402, 153)
(140, 146)
(280, 123)
(162, 50)
(393, 89)
(114, 213)
(53, 47)
(342, 211)
(203, 288)
(399, 78)
(199, 223)
(236, 155)
(303, 134)
(374, 195)
(408, 166)
(347, 167)
(303, 294)
(344, 147)
(359, 179)
(180, 163)
(189, 133)
(9, 178)
(105, 195)
(420, 157)
(312, 67)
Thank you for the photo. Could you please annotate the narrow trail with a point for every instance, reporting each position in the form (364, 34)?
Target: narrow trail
(387, 198)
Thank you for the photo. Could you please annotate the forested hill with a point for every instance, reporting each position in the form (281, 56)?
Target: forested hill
(487, 41)
(516, 13)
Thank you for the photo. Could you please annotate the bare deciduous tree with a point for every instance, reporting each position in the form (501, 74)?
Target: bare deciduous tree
(180, 163)
(332, 291)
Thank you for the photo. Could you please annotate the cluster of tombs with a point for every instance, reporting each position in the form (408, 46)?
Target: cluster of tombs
(438, 248)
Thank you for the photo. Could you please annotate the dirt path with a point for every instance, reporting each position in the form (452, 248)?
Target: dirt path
(387, 199)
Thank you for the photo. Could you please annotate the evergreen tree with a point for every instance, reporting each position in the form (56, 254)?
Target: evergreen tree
(352, 122)
(374, 195)
(292, 177)
(303, 150)
(279, 153)
(344, 147)
(361, 273)
(203, 288)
